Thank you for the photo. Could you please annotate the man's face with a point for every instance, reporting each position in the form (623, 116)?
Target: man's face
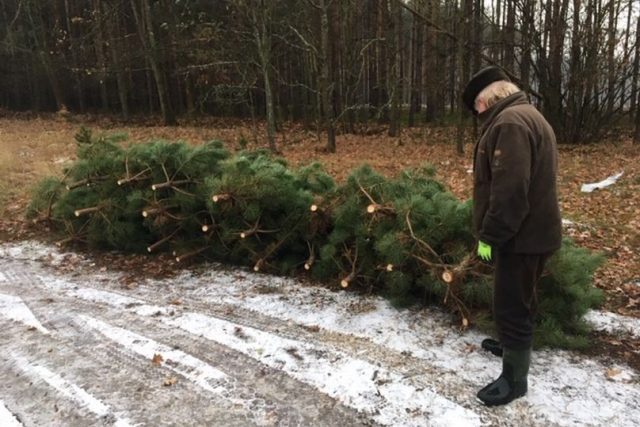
(480, 106)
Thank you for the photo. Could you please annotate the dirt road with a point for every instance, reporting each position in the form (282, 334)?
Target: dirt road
(224, 347)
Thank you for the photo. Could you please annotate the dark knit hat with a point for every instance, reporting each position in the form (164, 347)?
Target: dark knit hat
(479, 81)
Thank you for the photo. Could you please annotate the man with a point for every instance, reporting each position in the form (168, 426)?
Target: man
(516, 217)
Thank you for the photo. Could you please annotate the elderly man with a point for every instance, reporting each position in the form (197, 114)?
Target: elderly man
(516, 217)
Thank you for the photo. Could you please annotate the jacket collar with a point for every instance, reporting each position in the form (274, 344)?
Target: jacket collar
(487, 116)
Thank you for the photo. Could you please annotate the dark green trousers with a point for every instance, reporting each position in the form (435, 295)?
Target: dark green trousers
(514, 297)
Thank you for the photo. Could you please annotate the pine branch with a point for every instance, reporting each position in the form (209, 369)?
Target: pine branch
(352, 275)
(420, 241)
(189, 255)
(140, 176)
(162, 241)
(273, 248)
(312, 257)
(85, 211)
(86, 182)
(167, 184)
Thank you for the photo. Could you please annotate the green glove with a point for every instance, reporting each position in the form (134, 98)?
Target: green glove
(484, 251)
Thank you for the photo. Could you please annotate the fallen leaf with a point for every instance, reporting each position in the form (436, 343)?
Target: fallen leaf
(169, 381)
(611, 373)
(470, 348)
(157, 359)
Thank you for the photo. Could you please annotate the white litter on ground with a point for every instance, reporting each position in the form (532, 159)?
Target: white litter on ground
(588, 188)
(67, 388)
(13, 308)
(613, 323)
(7, 419)
(385, 395)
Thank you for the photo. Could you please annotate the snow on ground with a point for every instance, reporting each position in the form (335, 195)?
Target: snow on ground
(613, 323)
(13, 308)
(356, 383)
(39, 372)
(566, 389)
(199, 372)
(7, 419)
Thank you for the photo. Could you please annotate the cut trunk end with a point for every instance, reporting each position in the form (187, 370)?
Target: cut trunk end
(81, 183)
(447, 276)
(347, 280)
(85, 211)
(189, 255)
(220, 197)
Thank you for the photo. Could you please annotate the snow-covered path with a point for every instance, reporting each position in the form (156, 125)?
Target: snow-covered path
(221, 347)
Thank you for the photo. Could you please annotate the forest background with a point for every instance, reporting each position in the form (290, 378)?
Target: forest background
(375, 81)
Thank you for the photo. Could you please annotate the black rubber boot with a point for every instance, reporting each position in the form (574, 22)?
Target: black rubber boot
(492, 346)
(512, 383)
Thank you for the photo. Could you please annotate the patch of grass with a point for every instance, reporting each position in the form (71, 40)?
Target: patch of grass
(7, 167)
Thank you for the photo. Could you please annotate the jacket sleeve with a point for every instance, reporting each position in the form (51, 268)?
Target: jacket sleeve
(511, 160)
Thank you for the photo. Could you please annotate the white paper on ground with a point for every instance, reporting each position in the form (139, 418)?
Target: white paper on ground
(588, 188)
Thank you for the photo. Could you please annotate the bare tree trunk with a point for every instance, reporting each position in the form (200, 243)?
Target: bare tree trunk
(415, 69)
(396, 68)
(636, 69)
(466, 18)
(626, 56)
(611, 46)
(42, 49)
(326, 86)
(144, 22)
(262, 38)
(528, 18)
(509, 36)
(74, 59)
(635, 76)
(478, 31)
(496, 50)
(100, 55)
(113, 29)
(553, 90)
(576, 77)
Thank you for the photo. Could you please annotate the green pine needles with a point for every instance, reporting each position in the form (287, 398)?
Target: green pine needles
(406, 238)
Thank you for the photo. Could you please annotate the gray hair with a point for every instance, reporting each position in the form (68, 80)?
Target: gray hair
(497, 91)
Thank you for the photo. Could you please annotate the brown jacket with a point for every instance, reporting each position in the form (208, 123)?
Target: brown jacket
(515, 166)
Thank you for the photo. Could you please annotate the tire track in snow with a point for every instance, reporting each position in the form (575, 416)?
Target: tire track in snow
(195, 370)
(554, 397)
(118, 378)
(385, 395)
(81, 397)
(357, 383)
(14, 308)
(568, 399)
(260, 395)
(142, 308)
